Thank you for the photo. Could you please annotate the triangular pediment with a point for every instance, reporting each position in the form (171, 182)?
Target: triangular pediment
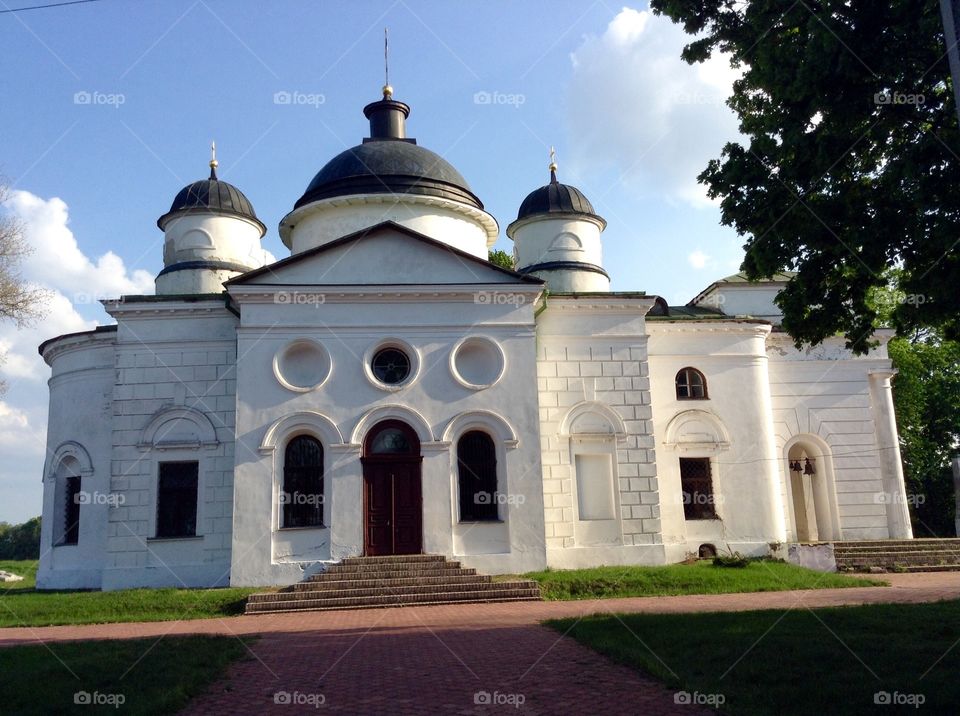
(386, 254)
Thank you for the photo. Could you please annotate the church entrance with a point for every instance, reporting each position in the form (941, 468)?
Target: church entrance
(392, 498)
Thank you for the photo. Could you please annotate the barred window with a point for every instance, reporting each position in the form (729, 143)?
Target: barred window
(302, 495)
(697, 486)
(477, 477)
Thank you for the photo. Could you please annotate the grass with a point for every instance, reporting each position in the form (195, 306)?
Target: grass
(793, 662)
(22, 605)
(138, 676)
(697, 578)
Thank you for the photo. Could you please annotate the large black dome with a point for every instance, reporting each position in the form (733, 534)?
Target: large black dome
(212, 195)
(389, 166)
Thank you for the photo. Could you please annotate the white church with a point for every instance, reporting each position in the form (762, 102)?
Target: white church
(387, 390)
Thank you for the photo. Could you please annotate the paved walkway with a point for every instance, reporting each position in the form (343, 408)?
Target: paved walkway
(446, 659)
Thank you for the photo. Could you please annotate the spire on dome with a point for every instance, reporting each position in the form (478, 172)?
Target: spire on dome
(387, 89)
(553, 165)
(213, 161)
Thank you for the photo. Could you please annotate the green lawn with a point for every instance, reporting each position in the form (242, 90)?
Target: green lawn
(697, 578)
(22, 605)
(138, 676)
(827, 661)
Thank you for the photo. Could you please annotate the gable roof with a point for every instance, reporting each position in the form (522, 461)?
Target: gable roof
(431, 244)
(741, 278)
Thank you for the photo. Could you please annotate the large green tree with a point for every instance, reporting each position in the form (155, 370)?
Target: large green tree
(848, 163)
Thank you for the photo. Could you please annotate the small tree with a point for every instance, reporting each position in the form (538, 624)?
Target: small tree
(501, 259)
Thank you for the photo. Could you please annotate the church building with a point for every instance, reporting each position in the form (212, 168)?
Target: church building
(385, 389)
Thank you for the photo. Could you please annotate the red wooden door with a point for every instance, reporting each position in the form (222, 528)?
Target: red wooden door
(393, 504)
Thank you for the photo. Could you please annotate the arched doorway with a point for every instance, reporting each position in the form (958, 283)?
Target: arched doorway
(812, 495)
(392, 499)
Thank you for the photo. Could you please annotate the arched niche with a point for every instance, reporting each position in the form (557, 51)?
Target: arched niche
(696, 430)
(178, 428)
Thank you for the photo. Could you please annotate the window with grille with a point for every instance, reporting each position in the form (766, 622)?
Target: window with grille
(177, 499)
(71, 510)
(477, 477)
(697, 486)
(302, 495)
(691, 385)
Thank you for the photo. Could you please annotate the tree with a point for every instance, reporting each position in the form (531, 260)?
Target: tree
(20, 541)
(501, 259)
(19, 301)
(927, 401)
(849, 160)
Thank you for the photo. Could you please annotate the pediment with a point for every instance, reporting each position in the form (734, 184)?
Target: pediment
(387, 254)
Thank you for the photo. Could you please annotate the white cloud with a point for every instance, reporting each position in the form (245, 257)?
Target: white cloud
(698, 259)
(74, 281)
(637, 109)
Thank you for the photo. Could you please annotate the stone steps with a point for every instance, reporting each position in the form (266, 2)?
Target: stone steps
(917, 555)
(367, 582)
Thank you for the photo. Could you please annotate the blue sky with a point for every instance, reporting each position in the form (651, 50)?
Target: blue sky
(603, 83)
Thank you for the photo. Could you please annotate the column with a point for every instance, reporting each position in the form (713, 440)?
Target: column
(891, 465)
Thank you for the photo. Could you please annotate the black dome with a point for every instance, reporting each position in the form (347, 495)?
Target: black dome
(389, 166)
(556, 198)
(212, 195)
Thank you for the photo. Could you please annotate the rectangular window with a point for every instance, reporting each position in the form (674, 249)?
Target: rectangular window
(177, 499)
(697, 486)
(71, 511)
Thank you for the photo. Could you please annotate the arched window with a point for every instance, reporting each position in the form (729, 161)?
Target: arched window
(302, 495)
(691, 385)
(477, 477)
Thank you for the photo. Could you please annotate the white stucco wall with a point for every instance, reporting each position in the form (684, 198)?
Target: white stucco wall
(544, 239)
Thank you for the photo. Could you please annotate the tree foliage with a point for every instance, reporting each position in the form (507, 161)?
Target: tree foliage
(848, 163)
(501, 259)
(927, 402)
(20, 541)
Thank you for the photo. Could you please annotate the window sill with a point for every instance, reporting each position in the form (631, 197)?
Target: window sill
(301, 529)
(66, 544)
(188, 538)
(702, 519)
(482, 522)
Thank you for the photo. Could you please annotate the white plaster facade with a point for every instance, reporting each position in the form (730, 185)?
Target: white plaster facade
(573, 386)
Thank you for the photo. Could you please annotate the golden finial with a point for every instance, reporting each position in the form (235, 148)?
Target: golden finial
(387, 89)
(553, 165)
(213, 160)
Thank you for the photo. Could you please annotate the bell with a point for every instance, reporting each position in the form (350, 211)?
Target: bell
(808, 468)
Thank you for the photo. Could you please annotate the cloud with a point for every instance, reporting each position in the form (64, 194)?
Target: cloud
(698, 259)
(639, 111)
(74, 282)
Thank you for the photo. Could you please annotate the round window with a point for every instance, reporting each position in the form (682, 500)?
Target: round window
(390, 366)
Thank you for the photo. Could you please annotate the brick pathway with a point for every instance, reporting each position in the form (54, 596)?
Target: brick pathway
(439, 659)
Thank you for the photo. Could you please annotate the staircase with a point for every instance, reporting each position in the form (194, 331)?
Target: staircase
(909, 555)
(401, 580)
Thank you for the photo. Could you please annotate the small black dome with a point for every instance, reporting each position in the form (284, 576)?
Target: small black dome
(556, 198)
(212, 195)
(389, 166)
